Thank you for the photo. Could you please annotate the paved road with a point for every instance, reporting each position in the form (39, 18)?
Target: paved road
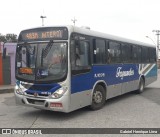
(127, 111)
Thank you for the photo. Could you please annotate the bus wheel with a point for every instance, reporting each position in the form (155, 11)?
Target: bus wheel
(98, 98)
(141, 86)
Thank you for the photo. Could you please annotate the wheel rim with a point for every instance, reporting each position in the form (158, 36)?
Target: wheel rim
(97, 97)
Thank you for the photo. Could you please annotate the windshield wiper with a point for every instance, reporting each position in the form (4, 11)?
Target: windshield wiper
(46, 50)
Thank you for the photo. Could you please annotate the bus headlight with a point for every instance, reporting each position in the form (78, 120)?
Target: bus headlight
(59, 93)
(19, 90)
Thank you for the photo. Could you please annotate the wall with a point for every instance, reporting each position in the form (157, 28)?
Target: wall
(11, 52)
(7, 65)
(1, 70)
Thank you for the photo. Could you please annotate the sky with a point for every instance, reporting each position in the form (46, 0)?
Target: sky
(133, 19)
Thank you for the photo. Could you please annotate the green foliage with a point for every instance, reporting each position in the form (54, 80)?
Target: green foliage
(2, 38)
(8, 38)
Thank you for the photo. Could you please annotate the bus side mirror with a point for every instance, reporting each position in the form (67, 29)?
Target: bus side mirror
(4, 53)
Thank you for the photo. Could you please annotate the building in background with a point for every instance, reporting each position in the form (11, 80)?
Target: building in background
(1, 71)
(7, 65)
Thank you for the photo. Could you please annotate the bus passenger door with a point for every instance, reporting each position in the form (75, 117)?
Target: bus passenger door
(80, 73)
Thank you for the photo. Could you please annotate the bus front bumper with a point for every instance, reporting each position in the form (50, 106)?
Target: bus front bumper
(60, 104)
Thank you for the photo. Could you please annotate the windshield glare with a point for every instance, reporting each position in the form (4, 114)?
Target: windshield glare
(42, 62)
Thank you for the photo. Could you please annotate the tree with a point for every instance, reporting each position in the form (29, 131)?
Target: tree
(2, 38)
(8, 38)
(11, 37)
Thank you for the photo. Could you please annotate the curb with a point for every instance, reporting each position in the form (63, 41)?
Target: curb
(3, 91)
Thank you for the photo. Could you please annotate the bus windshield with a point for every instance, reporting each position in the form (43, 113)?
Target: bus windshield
(41, 62)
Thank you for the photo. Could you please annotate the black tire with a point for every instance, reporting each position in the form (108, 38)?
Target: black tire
(98, 98)
(141, 86)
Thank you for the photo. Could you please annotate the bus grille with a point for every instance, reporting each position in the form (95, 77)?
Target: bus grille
(36, 102)
(45, 95)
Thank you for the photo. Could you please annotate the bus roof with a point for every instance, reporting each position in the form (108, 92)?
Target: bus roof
(89, 32)
(106, 36)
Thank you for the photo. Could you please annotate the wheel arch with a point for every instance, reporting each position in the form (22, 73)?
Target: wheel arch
(102, 83)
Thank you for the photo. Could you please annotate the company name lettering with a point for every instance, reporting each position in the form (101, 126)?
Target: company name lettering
(122, 74)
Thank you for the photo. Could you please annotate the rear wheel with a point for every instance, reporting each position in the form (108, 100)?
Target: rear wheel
(141, 86)
(98, 97)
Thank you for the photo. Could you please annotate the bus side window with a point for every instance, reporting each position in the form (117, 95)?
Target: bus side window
(126, 53)
(145, 55)
(77, 57)
(139, 53)
(99, 51)
(72, 54)
(152, 55)
(114, 52)
(134, 53)
(80, 54)
(109, 56)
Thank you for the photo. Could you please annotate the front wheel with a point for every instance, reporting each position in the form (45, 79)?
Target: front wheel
(98, 98)
(141, 86)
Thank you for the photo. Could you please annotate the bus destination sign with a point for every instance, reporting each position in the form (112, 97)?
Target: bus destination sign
(42, 34)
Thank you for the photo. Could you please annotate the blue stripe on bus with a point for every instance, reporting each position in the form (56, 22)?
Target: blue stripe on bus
(111, 74)
(52, 88)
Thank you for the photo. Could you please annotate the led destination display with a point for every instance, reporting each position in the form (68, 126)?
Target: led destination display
(42, 34)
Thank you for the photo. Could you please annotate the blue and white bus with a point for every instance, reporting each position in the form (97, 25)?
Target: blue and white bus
(66, 68)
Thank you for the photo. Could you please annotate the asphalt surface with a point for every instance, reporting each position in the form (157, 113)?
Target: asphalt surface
(127, 111)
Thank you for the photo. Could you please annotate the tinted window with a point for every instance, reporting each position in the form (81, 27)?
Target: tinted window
(80, 54)
(99, 51)
(139, 54)
(114, 52)
(152, 55)
(126, 53)
(145, 55)
(134, 53)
